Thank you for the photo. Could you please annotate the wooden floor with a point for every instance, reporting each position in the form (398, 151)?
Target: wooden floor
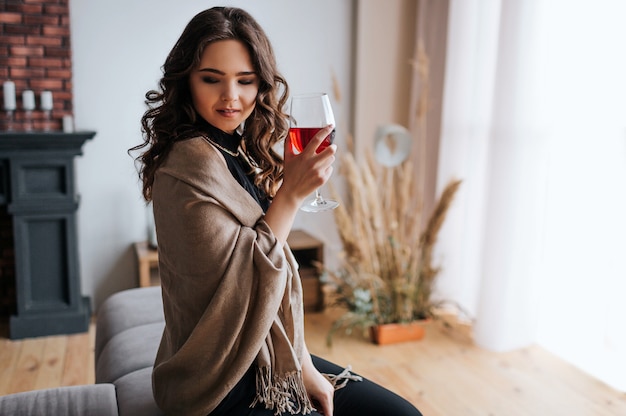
(38, 363)
(443, 375)
(446, 375)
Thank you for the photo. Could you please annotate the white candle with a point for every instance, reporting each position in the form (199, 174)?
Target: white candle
(46, 101)
(9, 95)
(68, 124)
(28, 100)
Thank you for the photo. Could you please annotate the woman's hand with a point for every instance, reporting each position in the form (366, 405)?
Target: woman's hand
(319, 389)
(307, 171)
(303, 174)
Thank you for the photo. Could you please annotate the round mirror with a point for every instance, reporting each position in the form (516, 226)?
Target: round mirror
(392, 144)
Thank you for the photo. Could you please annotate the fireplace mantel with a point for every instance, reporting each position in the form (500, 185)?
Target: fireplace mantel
(21, 142)
(37, 186)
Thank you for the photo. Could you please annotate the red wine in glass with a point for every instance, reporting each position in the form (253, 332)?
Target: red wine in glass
(308, 114)
(301, 136)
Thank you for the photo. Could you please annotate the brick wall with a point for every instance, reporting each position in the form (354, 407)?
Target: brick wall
(35, 54)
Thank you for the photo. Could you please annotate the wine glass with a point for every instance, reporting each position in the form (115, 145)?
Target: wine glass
(309, 114)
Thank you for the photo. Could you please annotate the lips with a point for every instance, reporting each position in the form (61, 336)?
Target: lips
(228, 112)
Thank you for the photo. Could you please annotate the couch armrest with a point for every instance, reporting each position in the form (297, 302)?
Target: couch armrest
(134, 394)
(127, 309)
(93, 400)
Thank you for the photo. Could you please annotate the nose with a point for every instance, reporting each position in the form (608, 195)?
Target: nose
(230, 92)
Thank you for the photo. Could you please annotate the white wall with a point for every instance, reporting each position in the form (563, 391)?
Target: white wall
(382, 71)
(118, 48)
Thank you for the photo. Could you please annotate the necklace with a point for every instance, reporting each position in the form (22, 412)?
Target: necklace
(251, 162)
(222, 148)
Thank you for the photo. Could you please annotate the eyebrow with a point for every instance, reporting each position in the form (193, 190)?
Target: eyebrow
(217, 71)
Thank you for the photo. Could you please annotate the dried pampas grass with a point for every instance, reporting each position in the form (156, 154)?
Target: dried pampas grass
(386, 273)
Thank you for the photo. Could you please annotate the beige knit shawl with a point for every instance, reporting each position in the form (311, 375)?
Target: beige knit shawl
(231, 292)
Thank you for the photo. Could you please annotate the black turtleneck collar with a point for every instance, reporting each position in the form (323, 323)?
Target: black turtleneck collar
(229, 141)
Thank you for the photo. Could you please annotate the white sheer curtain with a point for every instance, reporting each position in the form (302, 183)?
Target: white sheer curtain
(534, 122)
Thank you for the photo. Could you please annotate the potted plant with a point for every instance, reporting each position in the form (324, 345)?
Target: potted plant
(386, 274)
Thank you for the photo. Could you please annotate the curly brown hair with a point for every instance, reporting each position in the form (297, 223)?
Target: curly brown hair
(171, 116)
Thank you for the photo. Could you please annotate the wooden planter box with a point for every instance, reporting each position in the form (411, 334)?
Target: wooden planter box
(394, 333)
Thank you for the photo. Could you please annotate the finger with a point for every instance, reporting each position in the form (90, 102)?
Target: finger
(328, 173)
(330, 150)
(287, 148)
(319, 137)
(325, 160)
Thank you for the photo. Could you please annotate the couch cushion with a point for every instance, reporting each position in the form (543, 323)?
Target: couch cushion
(134, 394)
(125, 310)
(130, 350)
(92, 400)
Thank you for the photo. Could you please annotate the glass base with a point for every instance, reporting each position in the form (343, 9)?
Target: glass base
(319, 205)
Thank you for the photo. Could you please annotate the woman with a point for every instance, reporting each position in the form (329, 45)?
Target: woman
(224, 203)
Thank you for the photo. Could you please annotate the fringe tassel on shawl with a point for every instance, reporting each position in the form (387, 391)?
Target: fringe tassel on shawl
(340, 380)
(289, 394)
(283, 394)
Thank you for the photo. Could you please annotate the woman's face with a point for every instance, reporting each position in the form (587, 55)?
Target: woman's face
(224, 86)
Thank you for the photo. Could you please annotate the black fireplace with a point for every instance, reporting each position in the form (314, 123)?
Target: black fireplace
(37, 191)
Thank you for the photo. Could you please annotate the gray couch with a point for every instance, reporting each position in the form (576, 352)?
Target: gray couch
(128, 330)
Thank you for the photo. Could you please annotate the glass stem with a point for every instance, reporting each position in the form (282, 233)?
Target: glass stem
(319, 200)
